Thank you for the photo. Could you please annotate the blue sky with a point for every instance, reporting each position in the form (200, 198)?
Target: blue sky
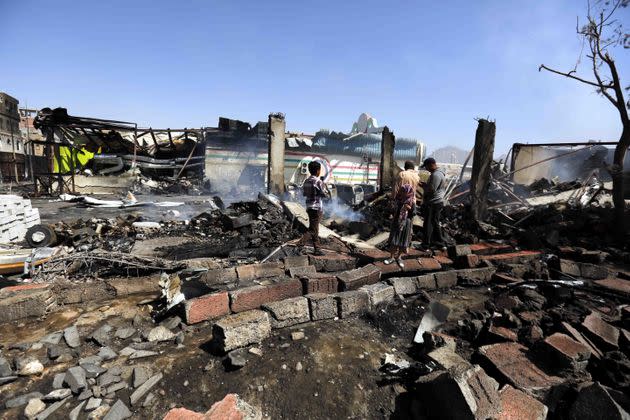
(425, 69)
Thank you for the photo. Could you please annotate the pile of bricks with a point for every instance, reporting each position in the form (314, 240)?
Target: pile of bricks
(16, 216)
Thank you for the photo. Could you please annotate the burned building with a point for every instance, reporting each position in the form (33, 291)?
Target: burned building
(12, 157)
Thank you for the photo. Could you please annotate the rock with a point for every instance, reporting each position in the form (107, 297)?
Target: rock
(95, 360)
(447, 358)
(7, 379)
(242, 329)
(257, 351)
(76, 379)
(127, 351)
(125, 333)
(57, 394)
(144, 388)
(51, 409)
(461, 393)
(88, 393)
(139, 354)
(140, 375)
(29, 366)
(34, 407)
(595, 403)
(101, 335)
(160, 333)
(434, 340)
(119, 411)
(76, 411)
(22, 399)
(105, 353)
(232, 406)
(53, 351)
(298, 366)
(52, 338)
(108, 378)
(93, 404)
(288, 312)
(5, 367)
(149, 400)
(516, 404)
(58, 380)
(92, 370)
(171, 322)
(99, 413)
(71, 335)
(297, 335)
(237, 358)
(179, 338)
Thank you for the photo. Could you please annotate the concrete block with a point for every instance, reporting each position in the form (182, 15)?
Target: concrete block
(445, 279)
(379, 293)
(333, 262)
(220, 276)
(240, 330)
(354, 279)
(455, 251)
(259, 271)
(297, 272)
(351, 303)
(322, 306)
(288, 312)
(297, 261)
(404, 286)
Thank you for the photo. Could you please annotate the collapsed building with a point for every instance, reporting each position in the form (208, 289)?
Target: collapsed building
(158, 309)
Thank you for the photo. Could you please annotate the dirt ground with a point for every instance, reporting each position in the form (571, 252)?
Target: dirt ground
(332, 373)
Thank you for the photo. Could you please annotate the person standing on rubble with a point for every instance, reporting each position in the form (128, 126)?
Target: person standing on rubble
(314, 190)
(434, 201)
(404, 203)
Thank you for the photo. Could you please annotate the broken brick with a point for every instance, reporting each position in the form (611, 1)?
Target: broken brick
(566, 351)
(502, 333)
(486, 248)
(576, 335)
(301, 271)
(219, 276)
(467, 261)
(615, 285)
(511, 361)
(517, 405)
(503, 278)
(232, 407)
(605, 335)
(297, 261)
(455, 251)
(513, 257)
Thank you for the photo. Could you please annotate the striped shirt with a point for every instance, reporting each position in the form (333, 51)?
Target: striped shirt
(314, 190)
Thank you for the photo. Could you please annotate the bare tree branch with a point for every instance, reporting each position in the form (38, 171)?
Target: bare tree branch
(572, 76)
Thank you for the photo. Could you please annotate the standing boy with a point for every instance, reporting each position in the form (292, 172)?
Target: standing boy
(314, 190)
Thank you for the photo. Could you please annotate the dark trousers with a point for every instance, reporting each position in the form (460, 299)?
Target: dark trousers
(432, 229)
(314, 217)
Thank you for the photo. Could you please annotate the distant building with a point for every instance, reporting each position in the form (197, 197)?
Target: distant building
(30, 133)
(11, 143)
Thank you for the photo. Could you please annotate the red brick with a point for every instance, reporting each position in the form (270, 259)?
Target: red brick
(576, 335)
(517, 405)
(429, 264)
(23, 287)
(615, 285)
(183, 414)
(513, 257)
(604, 334)
(333, 262)
(207, 307)
(254, 296)
(443, 260)
(319, 283)
(467, 261)
(510, 359)
(297, 261)
(484, 248)
(367, 256)
(416, 253)
(387, 269)
(259, 271)
(354, 279)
